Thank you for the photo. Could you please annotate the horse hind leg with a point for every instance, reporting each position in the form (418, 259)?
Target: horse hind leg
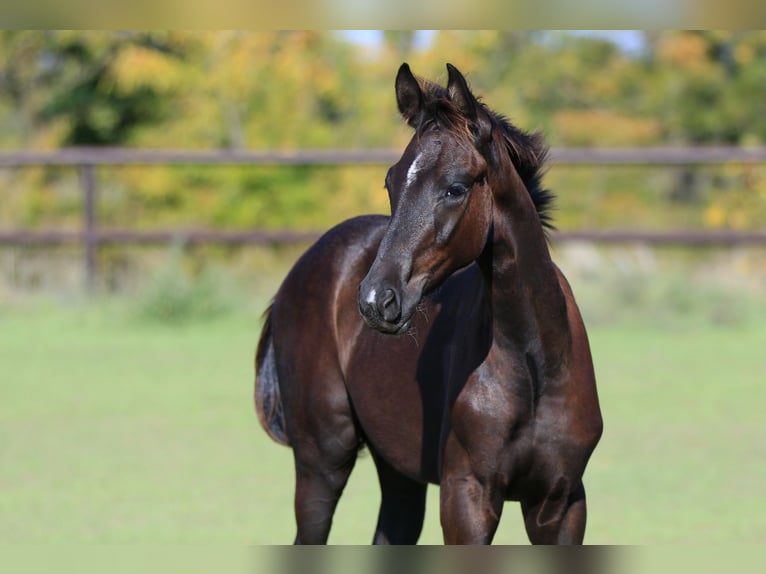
(318, 488)
(402, 506)
(325, 445)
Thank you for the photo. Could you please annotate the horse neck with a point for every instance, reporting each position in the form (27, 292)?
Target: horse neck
(529, 307)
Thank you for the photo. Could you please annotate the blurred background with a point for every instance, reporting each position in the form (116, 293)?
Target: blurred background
(155, 189)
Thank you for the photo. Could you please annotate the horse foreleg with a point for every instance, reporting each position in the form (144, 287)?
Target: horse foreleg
(470, 510)
(470, 504)
(402, 507)
(564, 527)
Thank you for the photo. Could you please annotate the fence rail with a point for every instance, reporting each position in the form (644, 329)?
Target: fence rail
(86, 160)
(561, 156)
(690, 238)
(192, 236)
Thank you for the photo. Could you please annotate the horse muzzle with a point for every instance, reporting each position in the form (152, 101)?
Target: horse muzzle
(381, 308)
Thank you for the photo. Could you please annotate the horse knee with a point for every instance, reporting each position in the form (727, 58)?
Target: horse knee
(470, 510)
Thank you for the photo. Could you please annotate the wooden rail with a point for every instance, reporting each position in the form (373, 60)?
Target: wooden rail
(686, 237)
(560, 156)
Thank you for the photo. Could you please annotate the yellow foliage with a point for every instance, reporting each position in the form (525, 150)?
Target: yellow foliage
(137, 67)
(603, 128)
(739, 203)
(606, 86)
(684, 50)
(50, 138)
(156, 184)
(715, 216)
(738, 218)
(237, 61)
(744, 54)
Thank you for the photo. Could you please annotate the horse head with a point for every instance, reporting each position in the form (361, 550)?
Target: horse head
(441, 202)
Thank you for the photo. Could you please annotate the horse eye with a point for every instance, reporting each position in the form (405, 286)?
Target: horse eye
(456, 190)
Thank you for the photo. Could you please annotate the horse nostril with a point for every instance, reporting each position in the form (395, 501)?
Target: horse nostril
(389, 297)
(389, 306)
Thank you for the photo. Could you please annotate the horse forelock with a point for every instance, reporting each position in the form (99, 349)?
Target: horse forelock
(440, 112)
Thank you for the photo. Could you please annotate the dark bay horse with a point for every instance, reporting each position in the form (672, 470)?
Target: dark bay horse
(443, 338)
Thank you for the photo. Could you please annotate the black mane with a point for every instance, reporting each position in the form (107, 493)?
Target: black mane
(528, 151)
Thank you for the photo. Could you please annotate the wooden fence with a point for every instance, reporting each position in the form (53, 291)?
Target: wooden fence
(90, 236)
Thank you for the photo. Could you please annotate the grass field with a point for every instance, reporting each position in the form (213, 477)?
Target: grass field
(116, 430)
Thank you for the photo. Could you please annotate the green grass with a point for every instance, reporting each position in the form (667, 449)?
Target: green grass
(123, 431)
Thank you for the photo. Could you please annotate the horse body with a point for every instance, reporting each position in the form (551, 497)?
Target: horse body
(476, 373)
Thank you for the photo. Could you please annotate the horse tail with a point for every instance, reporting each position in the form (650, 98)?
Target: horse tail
(268, 401)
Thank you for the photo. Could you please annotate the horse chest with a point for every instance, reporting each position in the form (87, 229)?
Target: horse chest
(509, 428)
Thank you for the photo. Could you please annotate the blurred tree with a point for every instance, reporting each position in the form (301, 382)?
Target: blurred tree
(708, 85)
(20, 62)
(308, 89)
(707, 88)
(104, 85)
(264, 90)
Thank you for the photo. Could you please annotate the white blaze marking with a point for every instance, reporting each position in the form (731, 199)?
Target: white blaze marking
(371, 297)
(415, 167)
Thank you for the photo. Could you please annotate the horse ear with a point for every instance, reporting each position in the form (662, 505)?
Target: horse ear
(409, 98)
(459, 92)
(461, 96)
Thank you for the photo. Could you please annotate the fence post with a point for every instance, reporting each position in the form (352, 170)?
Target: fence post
(88, 179)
